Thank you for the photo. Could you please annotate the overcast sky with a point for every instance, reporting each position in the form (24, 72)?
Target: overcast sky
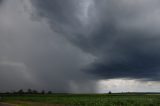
(80, 45)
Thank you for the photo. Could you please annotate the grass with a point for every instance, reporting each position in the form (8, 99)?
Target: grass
(84, 100)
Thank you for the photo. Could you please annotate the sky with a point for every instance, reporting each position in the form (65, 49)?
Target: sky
(80, 46)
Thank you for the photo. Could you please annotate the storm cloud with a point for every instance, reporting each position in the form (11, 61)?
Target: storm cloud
(69, 45)
(123, 35)
(33, 56)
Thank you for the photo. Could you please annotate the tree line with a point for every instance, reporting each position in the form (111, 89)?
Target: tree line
(29, 91)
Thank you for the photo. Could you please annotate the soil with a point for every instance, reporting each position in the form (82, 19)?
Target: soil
(6, 104)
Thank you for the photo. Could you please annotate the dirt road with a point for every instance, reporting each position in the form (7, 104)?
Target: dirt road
(5, 104)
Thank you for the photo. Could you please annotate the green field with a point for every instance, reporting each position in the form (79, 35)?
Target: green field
(84, 99)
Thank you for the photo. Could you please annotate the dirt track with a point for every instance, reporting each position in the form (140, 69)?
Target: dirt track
(5, 104)
(30, 104)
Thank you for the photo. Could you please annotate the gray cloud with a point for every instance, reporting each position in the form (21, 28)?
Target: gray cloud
(33, 56)
(67, 46)
(1, 1)
(122, 35)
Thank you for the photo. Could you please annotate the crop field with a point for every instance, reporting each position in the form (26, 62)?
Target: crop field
(83, 99)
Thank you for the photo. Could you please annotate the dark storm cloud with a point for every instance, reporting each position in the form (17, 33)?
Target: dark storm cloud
(123, 35)
(33, 56)
(69, 45)
(1, 2)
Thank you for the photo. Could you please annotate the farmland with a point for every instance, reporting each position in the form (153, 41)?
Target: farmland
(83, 99)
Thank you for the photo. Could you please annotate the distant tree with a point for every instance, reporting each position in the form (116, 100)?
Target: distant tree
(13, 92)
(49, 92)
(20, 91)
(34, 91)
(43, 92)
(7, 92)
(29, 91)
(109, 92)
